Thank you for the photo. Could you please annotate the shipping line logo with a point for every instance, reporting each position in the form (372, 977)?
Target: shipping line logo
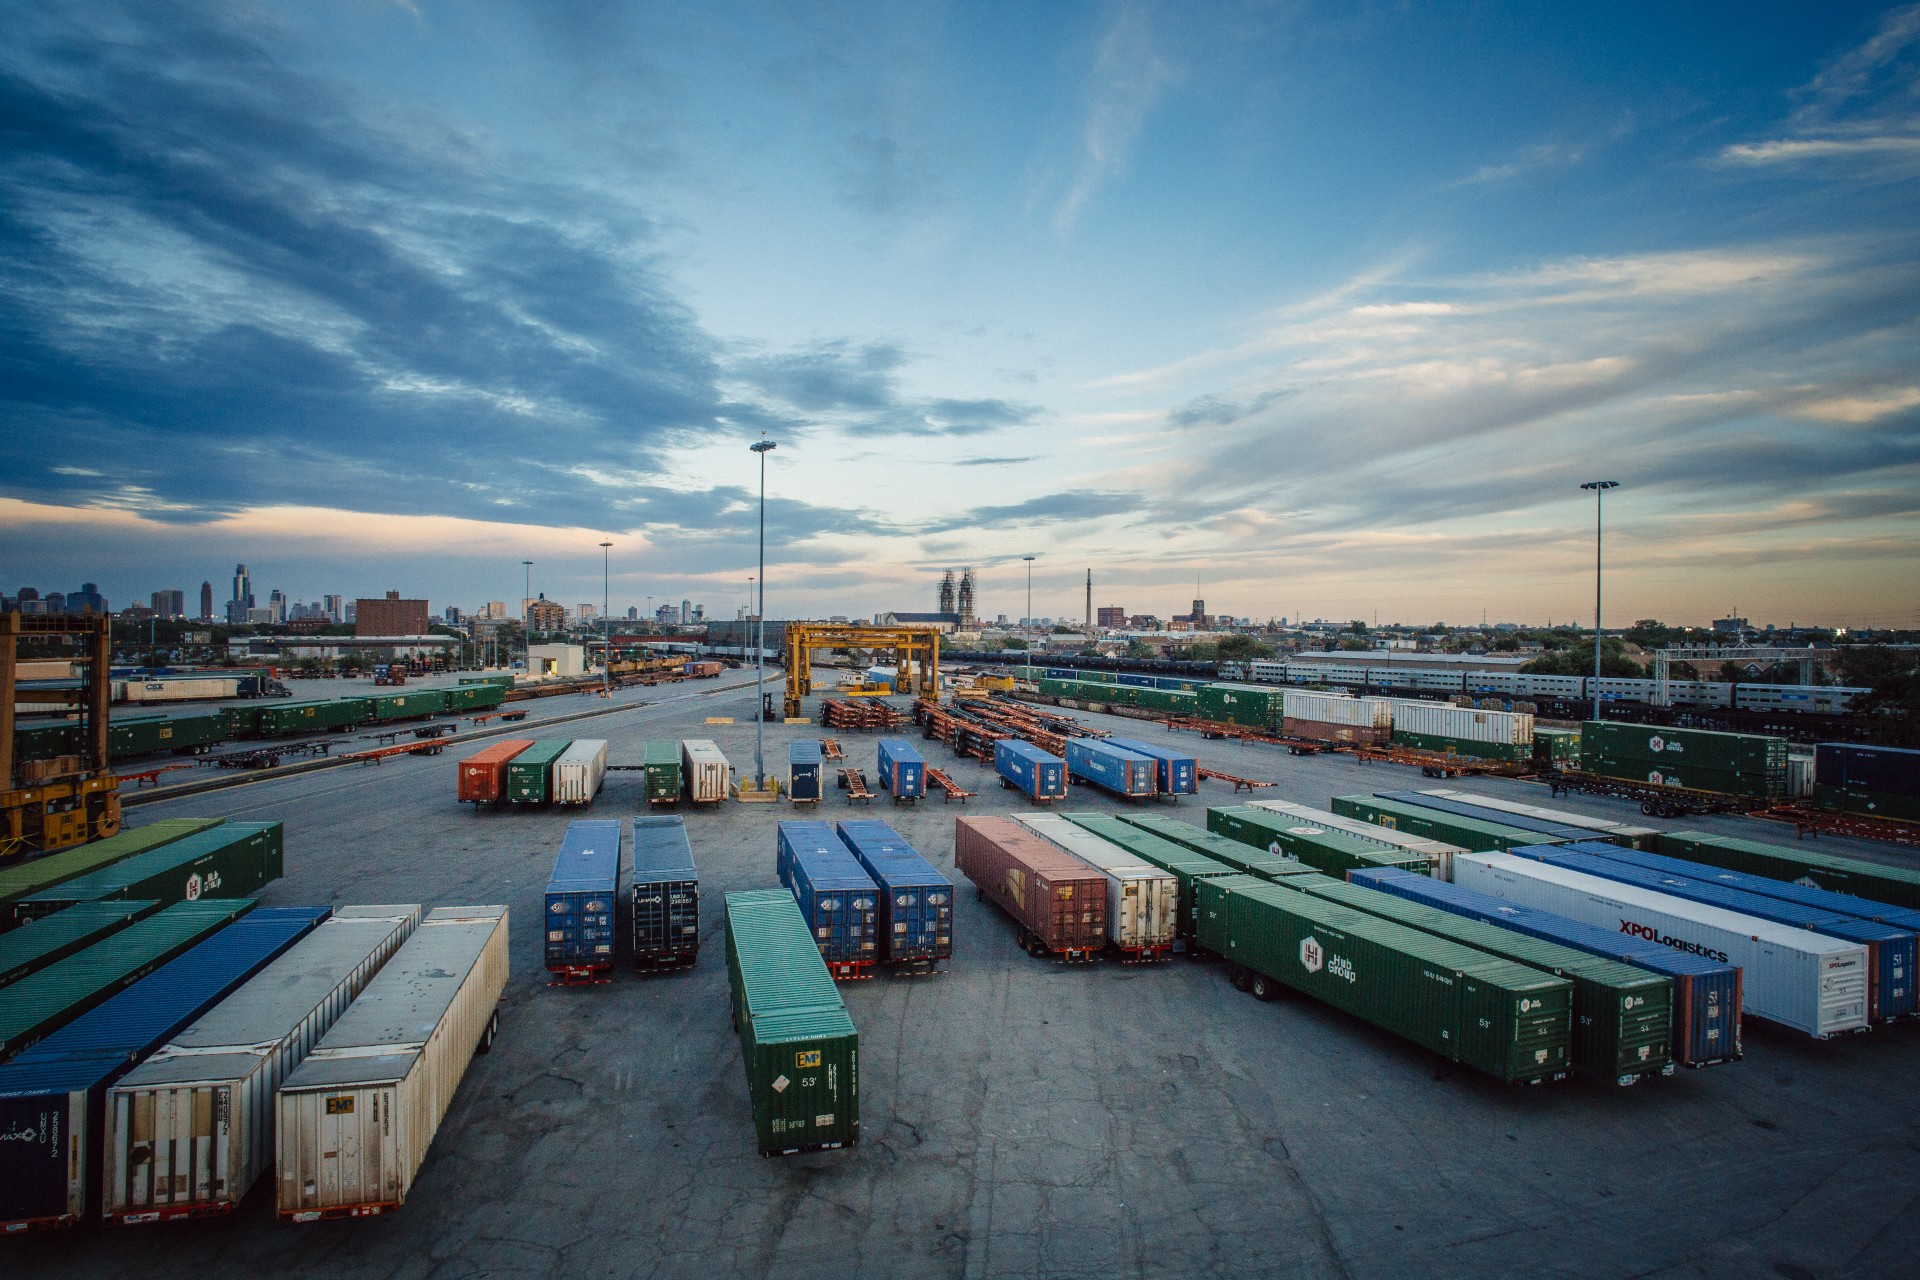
(1652, 934)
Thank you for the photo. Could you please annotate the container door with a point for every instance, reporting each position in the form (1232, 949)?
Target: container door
(1125, 922)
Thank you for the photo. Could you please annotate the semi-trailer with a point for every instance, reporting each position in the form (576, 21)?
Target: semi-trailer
(583, 893)
(530, 774)
(580, 771)
(837, 897)
(1038, 775)
(903, 771)
(1899, 886)
(1058, 903)
(665, 898)
(1494, 807)
(28, 878)
(705, 771)
(228, 861)
(1154, 846)
(24, 952)
(1468, 833)
(660, 766)
(1143, 901)
(1329, 852)
(915, 913)
(354, 1121)
(1547, 828)
(482, 777)
(803, 771)
(1438, 853)
(1124, 773)
(1175, 773)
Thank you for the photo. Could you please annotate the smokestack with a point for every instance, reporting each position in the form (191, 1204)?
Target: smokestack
(1089, 602)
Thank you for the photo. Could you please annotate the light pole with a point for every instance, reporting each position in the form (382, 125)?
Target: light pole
(606, 636)
(1029, 618)
(1599, 488)
(763, 448)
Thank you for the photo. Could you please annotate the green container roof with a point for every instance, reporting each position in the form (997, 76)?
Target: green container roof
(68, 864)
(1413, 813)
(101, 883)
(541, 753)
(664, 752)
(781, 972)
(34, 947)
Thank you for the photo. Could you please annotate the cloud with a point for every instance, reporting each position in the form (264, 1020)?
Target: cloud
(1860, 109)
(1072, 507)
(1128, 78)
(994, 462)
(1217, 411)
(1796, 150)
(1545, 155)
(856, 388)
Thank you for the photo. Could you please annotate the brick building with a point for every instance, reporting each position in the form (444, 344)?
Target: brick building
(390, 617)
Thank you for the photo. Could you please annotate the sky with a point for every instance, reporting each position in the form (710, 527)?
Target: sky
(1312, 310)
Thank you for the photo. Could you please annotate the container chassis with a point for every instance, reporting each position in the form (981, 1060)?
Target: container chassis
(1655, 802)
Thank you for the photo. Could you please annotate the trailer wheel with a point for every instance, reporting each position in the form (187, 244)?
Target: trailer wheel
(1241, 977)
(1264, 988)
(493, 1029)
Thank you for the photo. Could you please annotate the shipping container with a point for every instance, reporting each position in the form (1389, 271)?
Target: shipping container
(1622, 1016)
(661, 768)
(1337, 711)
(580, 771)
(915, 921)
(1620, 833)
(24, 952)
(1870, 804)
(1143, 901)
(41, 1003)
(1034, 773)
(474, 697)
(799, 1048)
(1251, 706)
(1890, 951)
(837, 897)
(353, 1122)
(1465, 731)
(1693, 759)
(53, 1096)
(1545, 827)
(181, 689)
(706, 771)
(1840, 904)
(1175, 772)
(483, 775)
(415, 704)
(1899, 886)
(130, 737)
(228, 861)
(666, 894)
(278, 719)
(530, 774)
(803, 771)
(190, 1130)
(29, 878)
(1790, 976)
(1329, 852)
(1149, 838)
(1852, 766)
(1706, 993)
(1468, 833)
(903, 772)
(1437, 853)
(1556, 747)
(1057, 902)
(1512, 1022)
(1124, 773)
(582, 895)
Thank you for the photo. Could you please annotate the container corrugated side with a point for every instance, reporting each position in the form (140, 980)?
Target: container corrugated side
(1790, 976)
(1154, 845)
(70, 864)
(1271, 842)
(706, 772)
(1620, 833)
(1899, 886)
(1340, 710)
(1464, 724)
(1143, 901)
(1467, 809)
(1438, 853)
(190, 1130)
(228, 861)
(1468, 833)
(583, 893)
(580, 771)
(24, 952)
(915, 918)
(354, 1121)
(665, 906)
(1059, 903)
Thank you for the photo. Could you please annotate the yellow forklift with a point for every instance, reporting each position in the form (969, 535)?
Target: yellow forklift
(74, 797)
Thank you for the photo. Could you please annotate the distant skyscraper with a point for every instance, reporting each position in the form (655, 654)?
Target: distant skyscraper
(88, 597)
(332, 606)
(277, 605)
(169, 604)
(686, 612)
(206, 602)
(633, 612)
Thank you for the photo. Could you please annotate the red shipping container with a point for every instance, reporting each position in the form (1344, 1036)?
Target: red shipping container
(1059, 902)
(483, 776)
(1327, 731)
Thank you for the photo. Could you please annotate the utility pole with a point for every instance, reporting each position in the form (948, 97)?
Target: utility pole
(763, 448)
(1029, 617)
(606, 636)
(1089, 603)
(1599, 488)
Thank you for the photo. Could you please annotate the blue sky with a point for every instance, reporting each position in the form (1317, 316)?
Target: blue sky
(1326, 309)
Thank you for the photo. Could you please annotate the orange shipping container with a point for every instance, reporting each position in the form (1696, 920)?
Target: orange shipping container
(483, 776)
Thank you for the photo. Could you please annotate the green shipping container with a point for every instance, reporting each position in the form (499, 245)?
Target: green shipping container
(530, 774)
(501, 682)
(1622, 1016)
(1251, 706)
(661, 769)
(799, 1047)
(150, 735)
(1681, 749)
(1557, 746)
(1444, 745)
(230, 861)
(1677, 773)
(27, 951)
(1509, 1021)
(1186, 866)
(1873, 804)
(46, 740)
(242, 721)
(1895, 885)
(1469, 833)
(37, 1006)
(474, 697)
(56, 868)
(415, 704)
(1332, 853)
(282, 718)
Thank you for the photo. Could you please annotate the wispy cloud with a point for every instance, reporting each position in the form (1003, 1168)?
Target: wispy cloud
(1129, 76)
(1861, 107)
(1545, 155)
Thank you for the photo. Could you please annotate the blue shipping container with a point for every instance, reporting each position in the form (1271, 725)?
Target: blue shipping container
(803, 770)
(666, 893)
(1706, 1003)
(1466, 809)
(1122, 772)
(836, 895)
(581, 897)
(915, 914)
(903, 773)
(1852, 767)
(53, 1096)
(1891, 952)
(1033, 772)
(1175, 772)
(1839, 904)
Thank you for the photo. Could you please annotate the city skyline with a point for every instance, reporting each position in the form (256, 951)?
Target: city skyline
(1273, 307)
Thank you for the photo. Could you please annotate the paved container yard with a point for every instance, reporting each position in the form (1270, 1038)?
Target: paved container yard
(1023, 1118)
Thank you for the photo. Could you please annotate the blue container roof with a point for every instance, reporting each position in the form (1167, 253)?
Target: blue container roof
(1464, 809)
(1149, 750)
(1027, 751)
(900, 749)
(1840, 904)
(805, 751)
(1575, 933)
(589, 858)
(1101, 747)
(888, 855)
(153, 1010)
(819, 855)
(661, 849)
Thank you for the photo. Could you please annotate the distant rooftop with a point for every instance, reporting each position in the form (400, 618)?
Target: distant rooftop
(1402, 658)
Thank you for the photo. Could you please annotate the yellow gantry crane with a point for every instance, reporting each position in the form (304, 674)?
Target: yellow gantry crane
(74, 797)
(916, 655)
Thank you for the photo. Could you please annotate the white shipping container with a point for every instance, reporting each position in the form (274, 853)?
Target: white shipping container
(1438, 719)
(580, 771)
(193, 689)
(1639, 835)
(191, 1129)
(1338, 708)
(1796, 978)
(354, 1121)
(1800, 776)
(1438, 853)
(1143, 901)
(706, 771)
